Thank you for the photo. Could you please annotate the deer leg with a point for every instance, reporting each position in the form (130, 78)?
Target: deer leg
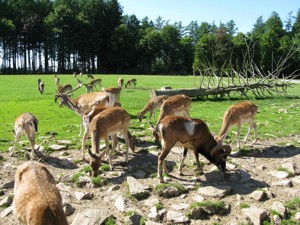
(238, 134)
(17, 139)
(84, 138)
(182, 160)
(125, 134)
(255, 132)
(109, 153)
(249, 130)
(32, 143)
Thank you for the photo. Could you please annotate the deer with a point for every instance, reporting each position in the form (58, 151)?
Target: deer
(87, 119)
(175, 105)
(191, 134)
(57, 80)
(107, 123)
(120, 82)
(130, 83)
(26, 123)
(88, 88)
(116, 91)
(37, 200)
(152, 105)
(85, 102)
(41, 86)
(239, 113)
(95, 82)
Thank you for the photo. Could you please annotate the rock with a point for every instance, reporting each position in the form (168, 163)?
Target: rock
(169, 192)
(180, 206)
(151, 202)
(133, 219)
(91, 216)
(64, 142)
(83, 181)
(139, 174)
(9, 185)
(258, 195)
(297, 216)
(284, 183)
(68, 209)
(6, 202)
(83, 196)
(120, 203)
(199, 198)
(279, 174)
(176, 217)
(149, 222)
(56, 147)
(215, 192)
(6, 212)
(136, 189)
(296, 180)
(291, 167)
(279, 207)
(113, 188)
(255, 214)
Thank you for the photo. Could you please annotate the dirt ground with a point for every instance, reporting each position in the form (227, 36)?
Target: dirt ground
(247, 172)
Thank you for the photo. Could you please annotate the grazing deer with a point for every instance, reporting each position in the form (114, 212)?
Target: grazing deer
(190, 134)
(37, 200)
(41, 86)
(27, 124)
(130, 83)
(107, 123)
(57, 80)
(74, 74)
(120, 82)
(89, 76)
(239, 113)
(152, 105)
(87, 119)
(88, 88)
(175, 105)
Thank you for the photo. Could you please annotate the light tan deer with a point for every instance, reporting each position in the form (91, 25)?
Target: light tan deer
(27, 124)
(107, 123)
(96, 82)
(87, 119)
(88, 88)
(130, 83)
(37, 200)
(239, 113)
(120, 82)
(175, 105)
(116, 91)
(152, 105)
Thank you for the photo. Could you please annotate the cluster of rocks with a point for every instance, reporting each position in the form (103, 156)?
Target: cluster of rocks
(251, 191)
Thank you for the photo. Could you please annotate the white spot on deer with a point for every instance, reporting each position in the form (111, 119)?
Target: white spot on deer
(190, 127)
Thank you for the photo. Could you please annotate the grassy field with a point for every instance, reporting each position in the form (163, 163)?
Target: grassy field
(277, 117)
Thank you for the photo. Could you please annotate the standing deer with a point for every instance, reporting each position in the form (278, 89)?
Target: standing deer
(57, 80)
(239, 113)
(107, 123)
(37, 200)
(96, 82)
(41, 86)
(120, 82)
(152, 105)
(27, 124)
(130, 83)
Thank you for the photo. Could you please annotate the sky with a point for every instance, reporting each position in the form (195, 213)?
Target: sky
(243, 12)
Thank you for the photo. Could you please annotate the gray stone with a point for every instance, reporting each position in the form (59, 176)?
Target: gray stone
(149, 222)
(296, 180)
(258, 195)
(291, 167)
(64, 142)
(284, 183)
(297, 216)
(136, 189)
(180, 206)
(255, 214)
(91, 216)
(169, 192)
(120, 203)
(9, 185)
(279, 207)
(68, 209)
(6, 201)
(139, 174)
(6, 212)
(133, 219)
(217, 191)
(279, 174)
(151, 202)
(176, 217)
(56, 147)
(83, 196)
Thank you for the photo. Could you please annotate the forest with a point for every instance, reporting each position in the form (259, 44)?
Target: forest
(94, 36)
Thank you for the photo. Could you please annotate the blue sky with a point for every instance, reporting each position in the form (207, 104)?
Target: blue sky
(243, 12)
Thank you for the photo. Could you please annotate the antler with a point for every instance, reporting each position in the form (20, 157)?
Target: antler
(78, 86)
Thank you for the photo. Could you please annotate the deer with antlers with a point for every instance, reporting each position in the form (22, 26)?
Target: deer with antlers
(152, 105)
(239, 113)
(85, 102)
(107, 123)
(130, 83)
(27, 124)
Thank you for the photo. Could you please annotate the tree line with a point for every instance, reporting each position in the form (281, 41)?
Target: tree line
(93, 36)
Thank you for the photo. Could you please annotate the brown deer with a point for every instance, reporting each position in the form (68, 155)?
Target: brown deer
(130, 83)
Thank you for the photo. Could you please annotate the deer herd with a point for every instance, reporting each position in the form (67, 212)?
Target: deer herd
(103, 118)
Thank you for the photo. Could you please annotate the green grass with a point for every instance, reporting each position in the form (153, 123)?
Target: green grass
(19, 94)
